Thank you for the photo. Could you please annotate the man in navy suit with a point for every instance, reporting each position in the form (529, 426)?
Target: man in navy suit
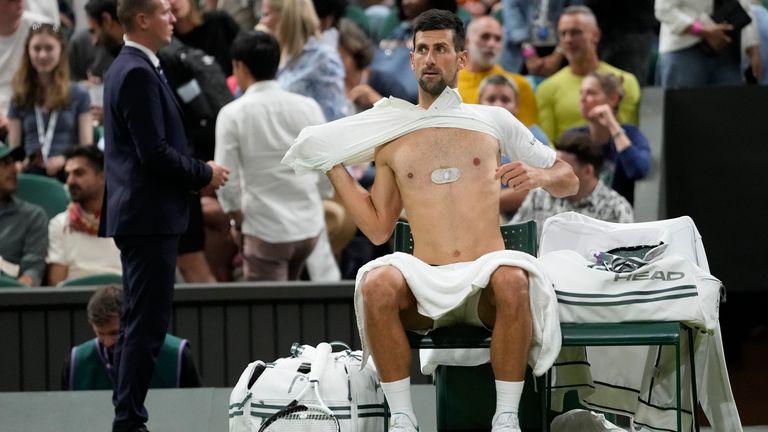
(149, 175)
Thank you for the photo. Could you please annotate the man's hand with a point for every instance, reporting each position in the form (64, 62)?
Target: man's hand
(519, 176)
(716, 35)
(26, 280)
(220, 175)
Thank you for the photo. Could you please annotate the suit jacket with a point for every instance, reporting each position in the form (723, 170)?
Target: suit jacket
(148, 167)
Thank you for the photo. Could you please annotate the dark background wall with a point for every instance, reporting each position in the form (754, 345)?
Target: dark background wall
(716, 154)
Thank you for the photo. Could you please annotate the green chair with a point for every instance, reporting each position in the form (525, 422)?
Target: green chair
(9, 282)
(466, 396)
(636, 334)
(44, 191)
(95, 279)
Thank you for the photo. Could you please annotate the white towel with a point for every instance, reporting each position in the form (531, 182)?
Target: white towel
(438, 289)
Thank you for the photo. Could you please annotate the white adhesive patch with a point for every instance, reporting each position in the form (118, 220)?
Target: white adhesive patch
(445, 175)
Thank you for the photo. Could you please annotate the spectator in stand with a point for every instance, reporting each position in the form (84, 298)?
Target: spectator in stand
(307, 66)
(23, 232)
(530, 36)
(279, 213)
(212, 31)
(695, 51)
(593, 199)
(484, 44)
(89, 365)
(558, 95)
(74, 248)
(356, 54)
(15, 24)
(48, 112)
(626, 150)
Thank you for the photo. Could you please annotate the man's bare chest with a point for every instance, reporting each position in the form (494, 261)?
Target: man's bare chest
(440, 156)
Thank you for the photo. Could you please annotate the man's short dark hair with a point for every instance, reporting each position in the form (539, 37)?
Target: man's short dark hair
(96, 8)
(580, 144)
(438, 19)
(128, 9)
(91, 153)
(260, 53)
(105, 304)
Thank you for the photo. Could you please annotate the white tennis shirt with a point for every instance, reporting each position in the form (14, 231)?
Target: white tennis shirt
(353, 139)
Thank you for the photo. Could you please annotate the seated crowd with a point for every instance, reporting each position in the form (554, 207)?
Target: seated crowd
(556, 72)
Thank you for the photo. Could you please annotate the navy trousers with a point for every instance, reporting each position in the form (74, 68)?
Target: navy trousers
(149, 272)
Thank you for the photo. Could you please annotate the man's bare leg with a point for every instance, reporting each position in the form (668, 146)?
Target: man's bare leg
(505, 306)
(390, 308)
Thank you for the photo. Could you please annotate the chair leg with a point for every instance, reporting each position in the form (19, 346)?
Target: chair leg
(544, 388)
(678, 387)
(694, 393)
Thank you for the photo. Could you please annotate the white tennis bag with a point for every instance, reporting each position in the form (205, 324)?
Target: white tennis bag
(353, 394)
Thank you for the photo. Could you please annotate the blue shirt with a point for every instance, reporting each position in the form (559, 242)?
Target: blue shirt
(67, 132)
(317, 72)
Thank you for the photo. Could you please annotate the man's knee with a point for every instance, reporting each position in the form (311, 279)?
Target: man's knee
(383, 286)
(510, 286)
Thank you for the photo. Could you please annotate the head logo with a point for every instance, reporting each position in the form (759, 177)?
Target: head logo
(657, 275)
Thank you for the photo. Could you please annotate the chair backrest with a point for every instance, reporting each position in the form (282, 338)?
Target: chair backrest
(9, 282)
(520, 237)
(46, 192)
(94, 279)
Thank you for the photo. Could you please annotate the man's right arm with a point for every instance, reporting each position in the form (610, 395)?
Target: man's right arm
(374, 212)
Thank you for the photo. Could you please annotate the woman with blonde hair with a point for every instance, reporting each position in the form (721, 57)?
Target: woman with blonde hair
(307, 66)
(48, 112)
(626, 150)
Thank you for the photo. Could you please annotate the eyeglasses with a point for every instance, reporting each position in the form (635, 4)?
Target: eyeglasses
(37, 27)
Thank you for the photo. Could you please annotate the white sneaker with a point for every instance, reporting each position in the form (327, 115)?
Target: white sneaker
(506, 422)
(401, 422)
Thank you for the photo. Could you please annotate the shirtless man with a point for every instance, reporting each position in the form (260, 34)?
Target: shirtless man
(448, 180)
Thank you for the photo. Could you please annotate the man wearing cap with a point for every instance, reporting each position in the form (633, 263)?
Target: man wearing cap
(23, 227)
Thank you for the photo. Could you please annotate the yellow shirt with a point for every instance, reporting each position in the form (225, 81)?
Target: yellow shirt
(469, 84)
(558, 100)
